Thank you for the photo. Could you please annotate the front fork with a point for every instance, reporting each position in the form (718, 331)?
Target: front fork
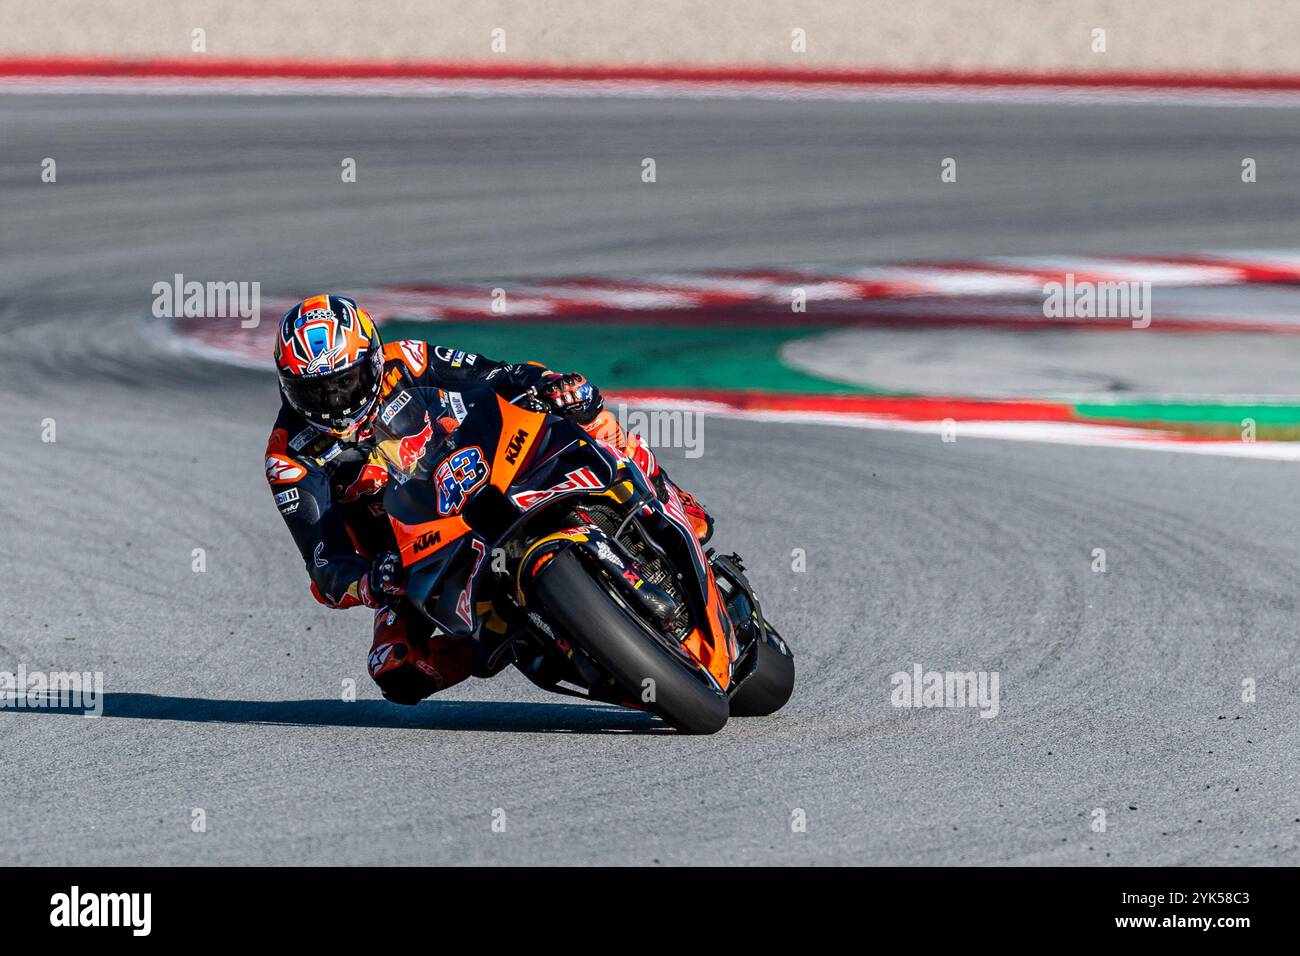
(742, 607)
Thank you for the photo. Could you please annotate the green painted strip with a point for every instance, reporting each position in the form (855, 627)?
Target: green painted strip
(1203, 419)
(1194, 412)
(619, 355)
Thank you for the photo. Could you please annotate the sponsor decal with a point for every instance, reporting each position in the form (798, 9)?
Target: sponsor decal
(395, 406)
(287, 501)
(303, 438)
(540, 624)
(516, 445)
(462, 605)
(481, 548)
(455, 357)
(415, 354)
(379, 656)
(606, 553)
(316, 555)
(370, 481)
(283, 471)
(459, 476)
(330, 455)
(457, 405)
(426, 541)
(411, 448)
(580, 480)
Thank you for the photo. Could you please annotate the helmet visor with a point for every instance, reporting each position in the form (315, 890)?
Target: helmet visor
(336, 399)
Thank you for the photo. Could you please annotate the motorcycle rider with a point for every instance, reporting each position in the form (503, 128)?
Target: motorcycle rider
(335, 374)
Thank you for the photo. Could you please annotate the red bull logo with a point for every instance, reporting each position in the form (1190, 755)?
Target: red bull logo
(411, 448)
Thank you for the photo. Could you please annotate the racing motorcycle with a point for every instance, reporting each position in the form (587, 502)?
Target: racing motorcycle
(556, 553)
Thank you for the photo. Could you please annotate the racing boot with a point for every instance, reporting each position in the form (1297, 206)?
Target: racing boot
(408, 664)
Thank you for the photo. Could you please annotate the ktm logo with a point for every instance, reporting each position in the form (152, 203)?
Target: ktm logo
(516, 445)
(426, 541)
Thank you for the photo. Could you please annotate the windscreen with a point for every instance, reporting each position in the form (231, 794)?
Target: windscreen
(416, 429)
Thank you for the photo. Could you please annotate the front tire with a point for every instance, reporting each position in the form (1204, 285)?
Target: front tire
(766, 690)
(605, 631)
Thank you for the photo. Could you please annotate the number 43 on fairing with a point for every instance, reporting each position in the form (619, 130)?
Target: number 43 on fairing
(458, 477)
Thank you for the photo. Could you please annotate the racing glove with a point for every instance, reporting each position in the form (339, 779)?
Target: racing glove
(386, 581)
(571, 396)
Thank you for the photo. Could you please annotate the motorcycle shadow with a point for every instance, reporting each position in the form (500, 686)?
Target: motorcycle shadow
(483, 716)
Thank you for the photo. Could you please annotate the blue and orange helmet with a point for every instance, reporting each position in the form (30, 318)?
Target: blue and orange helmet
(330, 361)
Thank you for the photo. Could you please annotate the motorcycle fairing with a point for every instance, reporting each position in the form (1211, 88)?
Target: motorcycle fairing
(537, 459)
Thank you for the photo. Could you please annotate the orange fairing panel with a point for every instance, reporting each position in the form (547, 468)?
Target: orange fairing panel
(712, 657)
(712, 652)
(519, 428)
(418, 541)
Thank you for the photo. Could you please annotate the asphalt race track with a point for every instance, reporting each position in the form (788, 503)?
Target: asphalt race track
(1120, 691)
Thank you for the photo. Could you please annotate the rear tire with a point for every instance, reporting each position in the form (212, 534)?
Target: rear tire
(766, 690)
(605, 631)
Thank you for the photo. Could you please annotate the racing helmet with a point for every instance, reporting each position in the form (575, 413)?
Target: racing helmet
(330, 362)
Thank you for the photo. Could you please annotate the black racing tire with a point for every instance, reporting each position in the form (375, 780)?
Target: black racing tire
(605, 631)
(766, 690)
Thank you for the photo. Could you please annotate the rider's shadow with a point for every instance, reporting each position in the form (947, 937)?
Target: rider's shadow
(492, 716)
